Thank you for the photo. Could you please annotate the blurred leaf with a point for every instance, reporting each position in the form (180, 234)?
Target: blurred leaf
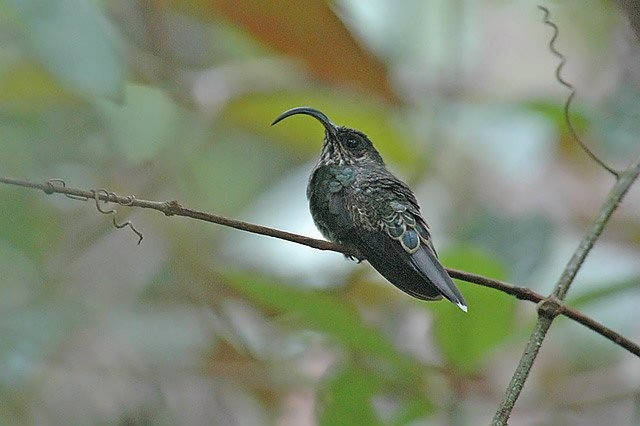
(617, 125)
(25, 86)
(224, 175)
(520, 242)
(28, 333)
(467, 338)
(74, 41)
(604, 292)
(319, 310)
(554, 111)
(567, 145)
(165, 335)
(21, 278)
(146, 122)
(40, 141)
(257, 112)
(417, 408)
(17, 154)
(28, 224)
(348, 398)
(310, 31)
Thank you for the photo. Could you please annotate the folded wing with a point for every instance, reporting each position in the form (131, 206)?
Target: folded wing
(403, 254)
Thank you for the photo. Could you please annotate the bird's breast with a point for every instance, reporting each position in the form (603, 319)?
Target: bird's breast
(328, 191)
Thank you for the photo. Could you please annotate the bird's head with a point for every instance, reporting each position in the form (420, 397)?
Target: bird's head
(342, 145)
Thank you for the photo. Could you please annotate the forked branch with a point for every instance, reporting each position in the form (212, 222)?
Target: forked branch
(549, 308)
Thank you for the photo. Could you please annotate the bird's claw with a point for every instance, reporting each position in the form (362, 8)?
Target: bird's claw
(356, 258)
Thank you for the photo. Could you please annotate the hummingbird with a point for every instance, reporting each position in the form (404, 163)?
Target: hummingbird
(356, 202)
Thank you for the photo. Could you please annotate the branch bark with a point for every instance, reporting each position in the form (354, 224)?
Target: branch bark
(173, 208)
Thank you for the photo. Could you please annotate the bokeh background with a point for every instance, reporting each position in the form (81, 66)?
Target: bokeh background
(172, 100)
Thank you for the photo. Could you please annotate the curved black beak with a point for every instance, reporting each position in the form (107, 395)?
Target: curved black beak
(318, 115)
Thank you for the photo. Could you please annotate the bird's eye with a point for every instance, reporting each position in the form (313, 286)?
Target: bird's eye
(354, 143)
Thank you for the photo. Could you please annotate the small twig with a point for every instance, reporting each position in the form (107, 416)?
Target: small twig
(567, 104)
(173, 208)
(524, 293)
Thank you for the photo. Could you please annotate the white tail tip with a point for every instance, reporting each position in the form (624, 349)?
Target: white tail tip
(461, 306)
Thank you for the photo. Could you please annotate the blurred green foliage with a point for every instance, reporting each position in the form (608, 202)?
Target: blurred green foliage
(73, 32)
(489, 321)
(173, 100)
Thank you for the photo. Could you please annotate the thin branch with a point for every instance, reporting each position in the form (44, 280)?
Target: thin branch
(547, 312)
(173, 208)
(567, 104)
(524, 293)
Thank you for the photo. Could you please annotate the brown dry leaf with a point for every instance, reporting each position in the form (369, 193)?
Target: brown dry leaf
(309, 30)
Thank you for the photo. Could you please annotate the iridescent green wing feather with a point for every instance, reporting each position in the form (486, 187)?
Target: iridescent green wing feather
(402, 225)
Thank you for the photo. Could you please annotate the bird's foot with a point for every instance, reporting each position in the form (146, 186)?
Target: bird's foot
(356, 257)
